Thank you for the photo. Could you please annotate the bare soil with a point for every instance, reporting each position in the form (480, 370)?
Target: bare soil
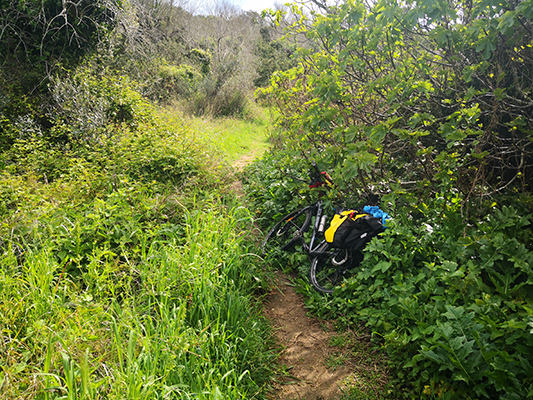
(306, 348)
(311, 367)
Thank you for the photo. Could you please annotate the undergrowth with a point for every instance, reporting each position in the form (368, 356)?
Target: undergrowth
(124, 272)
(448, 296)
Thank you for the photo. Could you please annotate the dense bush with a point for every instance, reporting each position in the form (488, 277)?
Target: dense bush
(398, 95)
(178, 81)
(89, 101)
(106, 180)
(40, 40)
(451, 301)
(425, 105)
(449, 298)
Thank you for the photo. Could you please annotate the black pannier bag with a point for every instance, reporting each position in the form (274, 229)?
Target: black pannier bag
(352, 229)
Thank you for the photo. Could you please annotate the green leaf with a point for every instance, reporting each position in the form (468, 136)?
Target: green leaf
(378, 133)
(467, 73)
(382, 266)
(507, 21)
(499, 93)
(486, 46)
(454, 312)
(481, 155)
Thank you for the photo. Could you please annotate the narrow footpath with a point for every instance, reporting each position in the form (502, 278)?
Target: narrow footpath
(306, 348)
(316, 362)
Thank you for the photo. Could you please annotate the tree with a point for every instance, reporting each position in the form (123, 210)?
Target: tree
(274, 55)
(38, 39)
(431, 94)
(229, 35)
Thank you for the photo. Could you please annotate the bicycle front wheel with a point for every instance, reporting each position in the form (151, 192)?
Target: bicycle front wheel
(288, 231)
(329, 269)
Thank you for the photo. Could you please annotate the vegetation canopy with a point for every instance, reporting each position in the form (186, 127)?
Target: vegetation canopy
(426, 105)
(424, 93)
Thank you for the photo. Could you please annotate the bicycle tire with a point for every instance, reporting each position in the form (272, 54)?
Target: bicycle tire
(328, 270)
(288, 231)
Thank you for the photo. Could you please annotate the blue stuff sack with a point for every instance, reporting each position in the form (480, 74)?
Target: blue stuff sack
(377, 213)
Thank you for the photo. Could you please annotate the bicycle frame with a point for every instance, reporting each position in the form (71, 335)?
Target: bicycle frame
(293, 230)
(311, 248)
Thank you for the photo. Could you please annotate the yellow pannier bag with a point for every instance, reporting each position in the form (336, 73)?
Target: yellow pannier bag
(352, 229)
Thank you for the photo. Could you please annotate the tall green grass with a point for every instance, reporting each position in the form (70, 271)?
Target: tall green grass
(180, 323)
(130, 274)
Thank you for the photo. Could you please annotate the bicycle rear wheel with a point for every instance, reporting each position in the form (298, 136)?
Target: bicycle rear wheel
(288, 231)
(328, 270)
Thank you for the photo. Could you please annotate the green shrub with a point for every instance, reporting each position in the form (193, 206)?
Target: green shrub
(219, 98)
(88, 103)
(178, 82)
(396, 101)
(452, 302)
(201, 57)
(98, 196)
(448, 295)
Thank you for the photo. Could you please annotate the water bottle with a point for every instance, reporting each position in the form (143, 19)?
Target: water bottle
(322, 225)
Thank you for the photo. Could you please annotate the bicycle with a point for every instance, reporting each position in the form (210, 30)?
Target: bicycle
(329, 265)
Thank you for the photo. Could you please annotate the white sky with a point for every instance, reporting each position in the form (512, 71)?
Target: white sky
(245, 5)
(257, 5)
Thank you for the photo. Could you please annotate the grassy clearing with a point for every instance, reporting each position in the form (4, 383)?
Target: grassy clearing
(235, 138)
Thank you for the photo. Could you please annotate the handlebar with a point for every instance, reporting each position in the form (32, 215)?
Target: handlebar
(319, 178)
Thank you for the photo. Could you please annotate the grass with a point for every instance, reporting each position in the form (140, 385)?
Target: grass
(182, 321)
(130, 277)
(370, 373)
(353, 349)
(236, 139)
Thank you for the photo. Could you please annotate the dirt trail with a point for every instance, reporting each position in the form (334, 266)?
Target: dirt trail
(306, 348)
(304, 340)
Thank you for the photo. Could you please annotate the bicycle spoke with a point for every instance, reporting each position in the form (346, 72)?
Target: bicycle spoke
(287, 232)
(329, 269)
